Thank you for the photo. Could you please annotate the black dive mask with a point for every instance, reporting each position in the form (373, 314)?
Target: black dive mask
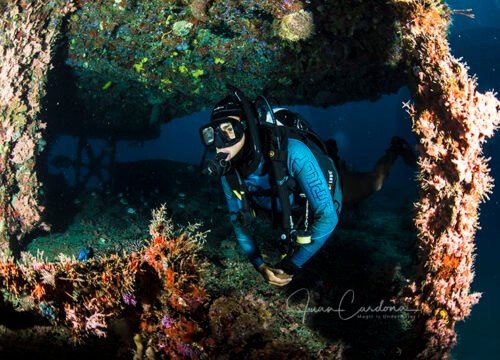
(222, 133)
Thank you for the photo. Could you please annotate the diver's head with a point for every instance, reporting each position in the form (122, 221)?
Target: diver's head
(229, 106)
(231, 133)
(225, 134)
(226, 131)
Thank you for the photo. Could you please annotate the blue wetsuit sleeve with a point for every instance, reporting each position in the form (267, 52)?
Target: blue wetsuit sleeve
(304, 168)
(245, 239)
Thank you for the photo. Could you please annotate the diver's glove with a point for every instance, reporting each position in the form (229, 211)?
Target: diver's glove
(287, 266)
(274, 276)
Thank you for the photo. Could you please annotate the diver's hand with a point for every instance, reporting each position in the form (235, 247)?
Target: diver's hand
(274, 276)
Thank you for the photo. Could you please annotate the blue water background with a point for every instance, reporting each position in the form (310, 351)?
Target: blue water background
(363, 131)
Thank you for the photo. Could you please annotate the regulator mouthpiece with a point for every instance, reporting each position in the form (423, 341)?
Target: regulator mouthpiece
(217, 166)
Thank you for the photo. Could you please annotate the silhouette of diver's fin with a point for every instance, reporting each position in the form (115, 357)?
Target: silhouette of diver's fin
(401, 147)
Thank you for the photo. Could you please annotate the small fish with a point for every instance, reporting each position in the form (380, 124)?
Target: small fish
(182, 195)
(107, 85)
(123, 201)
(131, 211)
(85, 254)
(182, 206)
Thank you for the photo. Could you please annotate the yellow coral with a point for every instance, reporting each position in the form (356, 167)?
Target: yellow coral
(442, 314)
(138, 67)
(197, 73)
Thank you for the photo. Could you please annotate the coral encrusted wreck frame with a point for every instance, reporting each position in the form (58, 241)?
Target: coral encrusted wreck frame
(450, 117)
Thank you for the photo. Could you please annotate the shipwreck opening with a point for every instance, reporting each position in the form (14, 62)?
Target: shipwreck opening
(96, 129)
(132, 66)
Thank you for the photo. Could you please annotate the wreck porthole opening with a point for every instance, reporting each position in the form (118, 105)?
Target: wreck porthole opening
(119, 165)
(113, 120)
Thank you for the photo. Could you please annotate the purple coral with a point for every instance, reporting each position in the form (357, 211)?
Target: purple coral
(167, 321)
(129, 299)
(187, 350)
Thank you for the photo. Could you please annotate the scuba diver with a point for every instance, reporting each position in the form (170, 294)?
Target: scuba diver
(271, 163)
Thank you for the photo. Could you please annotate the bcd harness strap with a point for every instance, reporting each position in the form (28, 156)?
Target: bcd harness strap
(246, 215)
(278, 154)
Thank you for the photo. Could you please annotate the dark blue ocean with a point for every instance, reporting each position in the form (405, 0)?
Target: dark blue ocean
(363, 131)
